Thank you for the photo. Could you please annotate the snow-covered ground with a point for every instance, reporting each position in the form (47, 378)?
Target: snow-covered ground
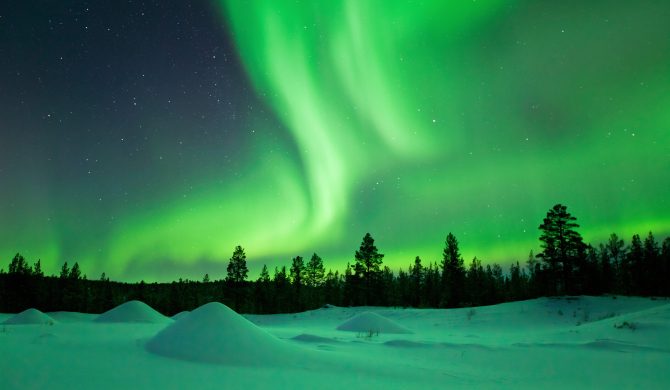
(580, 342)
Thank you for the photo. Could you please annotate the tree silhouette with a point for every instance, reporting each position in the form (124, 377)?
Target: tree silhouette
(634, 265)
(562, 248)
(368, 263)
(615, 251)
(665, 267)
(237, 266)
(416, 274)
(453, 273)
(314, 272)
(262, 291)
(281, 286)
(236, 275)
(297, 273)
(314, 280)
(652, 265)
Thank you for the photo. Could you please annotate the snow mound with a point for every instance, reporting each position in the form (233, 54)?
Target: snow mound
(133, 311)
(180, 315)
(213, 333)
(28, 317)
(372, 322)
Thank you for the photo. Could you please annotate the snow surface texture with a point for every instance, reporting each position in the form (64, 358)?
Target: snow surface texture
(30, 317)
(372, 324)
(567, 342)
(133, 311)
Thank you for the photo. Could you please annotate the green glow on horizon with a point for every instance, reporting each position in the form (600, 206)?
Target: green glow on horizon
(412, 120)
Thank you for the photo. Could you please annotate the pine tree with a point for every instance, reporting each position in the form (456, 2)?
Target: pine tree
(75, 272)
(404, 289)
(634, 261)
(314, 280)
(297, 273)
(562, 248)
(386, 288)
(606, 273)
(64, 271)
(517, 283)
(416, 275)
(332, 288)
(432, 285)
(281, 285)
(453, 273)
(262, 292)
(237, 266)
(351, 286)
(264, 276)
(368, 263)
(475, 283)
(37, 269)
(236, 275)
(617, 257)
(314, 272)
(19, 266)
(652, 265)
(665, 267)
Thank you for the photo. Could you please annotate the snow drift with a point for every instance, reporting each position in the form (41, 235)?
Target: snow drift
(180, 315)
(213, 333)
(372, 322)
(133, 311)
(28, 317)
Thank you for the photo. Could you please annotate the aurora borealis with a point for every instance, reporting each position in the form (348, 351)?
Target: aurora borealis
(146, 140)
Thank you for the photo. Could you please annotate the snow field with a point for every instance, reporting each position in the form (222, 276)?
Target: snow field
(579, 342)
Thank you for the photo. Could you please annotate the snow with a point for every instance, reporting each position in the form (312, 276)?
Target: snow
(213, 333)
(180, 315)
(30, 316)
(372, 323)
(578, 342)
(133, 311)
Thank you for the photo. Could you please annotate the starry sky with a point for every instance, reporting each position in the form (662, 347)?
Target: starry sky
(146, 139)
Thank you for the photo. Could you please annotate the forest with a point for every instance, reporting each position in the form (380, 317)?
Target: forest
(565, 265)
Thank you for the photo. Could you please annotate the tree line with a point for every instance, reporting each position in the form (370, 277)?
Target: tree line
(565, 266)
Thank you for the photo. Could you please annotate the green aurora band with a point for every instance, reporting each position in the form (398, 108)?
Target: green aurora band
(414, 119)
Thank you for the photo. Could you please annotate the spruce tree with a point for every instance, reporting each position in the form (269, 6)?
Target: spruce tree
(314, 280)
(64, 271)
(19, 266)
(665, 267)
(75, 272)
(281, 285)
(453, 273)
(297, 273)
(37, 269)
(652, 265)
(262, 292)
(237, 266)
(605, 267)
(314, 272)
(367, 268)
(416, 273)
(634, 260)
(236, 275)
(617, 258)
(475, 283)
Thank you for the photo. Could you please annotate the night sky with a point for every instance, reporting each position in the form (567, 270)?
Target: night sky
(147, 139)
